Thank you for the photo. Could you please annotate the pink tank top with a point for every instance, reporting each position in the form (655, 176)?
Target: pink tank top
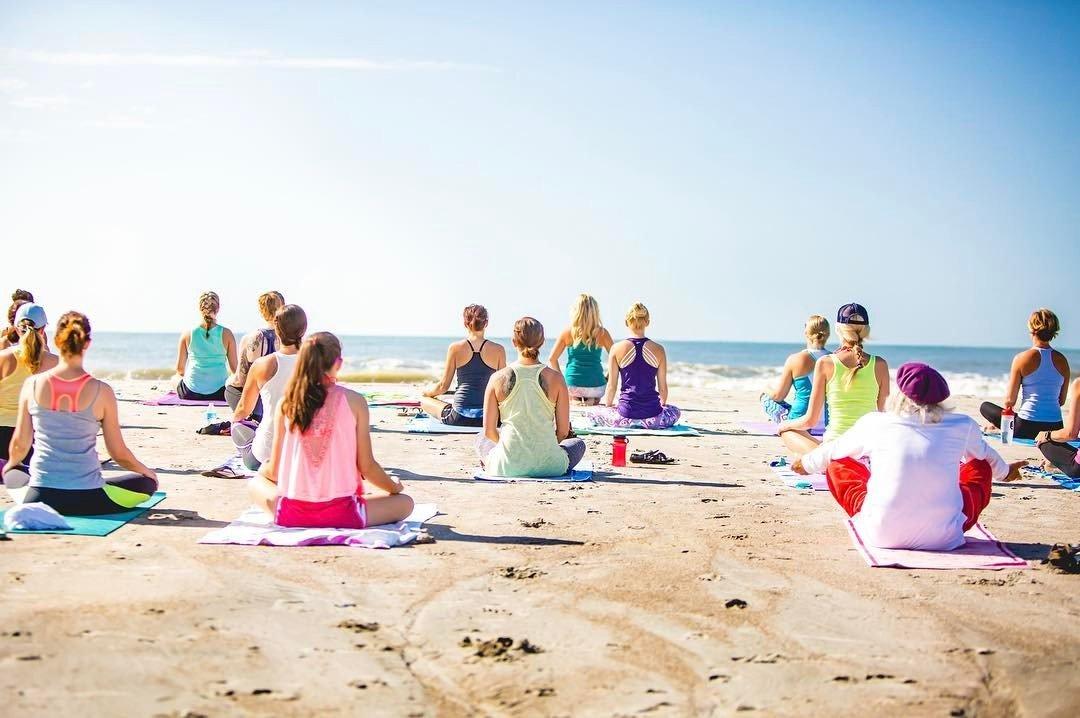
(320, 464)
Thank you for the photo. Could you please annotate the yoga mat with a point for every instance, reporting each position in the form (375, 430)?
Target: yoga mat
(231, 468)
(171, 399)
(99, 525)
(582, 472)
(817, 482)
(767, 428)
(585, 428)
(981, 550)
(1065, 481)
(255, 528)
(431, 425)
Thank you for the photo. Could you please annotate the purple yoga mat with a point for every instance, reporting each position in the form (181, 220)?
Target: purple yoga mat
(171, 399)
(981, 550)
(767, 428)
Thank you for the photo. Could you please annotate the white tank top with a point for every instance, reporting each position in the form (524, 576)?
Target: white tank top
(271, 393)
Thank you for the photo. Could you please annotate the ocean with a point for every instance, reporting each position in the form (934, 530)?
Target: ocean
(974, 371)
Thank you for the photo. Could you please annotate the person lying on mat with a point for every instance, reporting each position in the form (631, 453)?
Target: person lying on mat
(584, 341)
(1052, 444)
(472, 360)
(30, 356)
(266, 382)
(321, 453)
(932, 469)
(1039, 375)
(206, 355)
(640, 365)
(60, 411)
(798, 373)
(9, 337)
(852, 382)
(527, 415)
(254, 346)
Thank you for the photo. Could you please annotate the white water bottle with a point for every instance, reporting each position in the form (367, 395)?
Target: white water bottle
(1008, 424)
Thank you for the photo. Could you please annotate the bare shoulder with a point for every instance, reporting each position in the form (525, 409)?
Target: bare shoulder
(1060, 360)
(551, 378)
(357, 401)
(655, 348)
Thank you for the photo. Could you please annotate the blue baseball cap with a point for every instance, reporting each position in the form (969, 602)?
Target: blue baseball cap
(852, 314)
(34, 312)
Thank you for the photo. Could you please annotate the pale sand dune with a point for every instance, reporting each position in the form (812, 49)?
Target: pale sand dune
(626, 599)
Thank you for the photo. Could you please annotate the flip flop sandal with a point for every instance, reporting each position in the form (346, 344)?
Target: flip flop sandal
(224, 472)
(651, 457)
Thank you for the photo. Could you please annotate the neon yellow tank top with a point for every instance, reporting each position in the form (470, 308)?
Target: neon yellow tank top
(10, 388)
(527, 445)
(848, 404)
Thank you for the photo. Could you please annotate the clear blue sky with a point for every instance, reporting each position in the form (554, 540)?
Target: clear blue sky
(734, 166)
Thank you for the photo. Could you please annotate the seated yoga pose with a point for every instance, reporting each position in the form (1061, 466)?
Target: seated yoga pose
(253, 346)
(206, 355)
(584, 341)
(472, 360)
(266, 382)
(640, 365)
(30, 356)
(321, 452)
(1040, 376)
(930, 470)
(853, 383)
(60, 412)
(9, 337)
(527, 415)
(1059, 454)
(798, 373)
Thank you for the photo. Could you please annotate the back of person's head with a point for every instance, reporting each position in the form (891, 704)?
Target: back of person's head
(528, 337)
(22, 295)
(269, 304)
(853, 327)
(11, 333)
(585, 324)
(72, 334)
(306, 391)
(475, 317)
(290, 324)
(923, 391)
(30, 322)
(637, 317)
(817, 330)
(209, 306)
(1043, 325)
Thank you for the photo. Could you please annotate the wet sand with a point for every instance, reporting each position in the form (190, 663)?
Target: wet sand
(702, 588)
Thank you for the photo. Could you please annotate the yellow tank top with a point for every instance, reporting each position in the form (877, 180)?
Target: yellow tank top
(527, 445)
(10, 388)
(848, 404)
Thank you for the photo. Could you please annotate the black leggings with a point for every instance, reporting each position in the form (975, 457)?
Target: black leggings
(1061, 456)
(184, 392)
(1023, 429)
(90, 502)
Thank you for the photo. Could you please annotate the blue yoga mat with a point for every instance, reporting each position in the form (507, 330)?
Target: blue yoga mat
(1065, 481)
(582, 472)
(431, 425)
(98, 525)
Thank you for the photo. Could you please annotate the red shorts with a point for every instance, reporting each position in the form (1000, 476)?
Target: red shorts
(345, 512)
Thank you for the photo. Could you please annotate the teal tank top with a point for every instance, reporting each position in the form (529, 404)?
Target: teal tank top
(584, 367)
(803, 386)
(207, 367)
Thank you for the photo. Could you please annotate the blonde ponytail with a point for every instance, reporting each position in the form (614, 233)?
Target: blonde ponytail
(209, 306)
(853, 336)
(31, 347)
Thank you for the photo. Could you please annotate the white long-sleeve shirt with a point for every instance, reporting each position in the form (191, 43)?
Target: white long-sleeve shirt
(913, 496)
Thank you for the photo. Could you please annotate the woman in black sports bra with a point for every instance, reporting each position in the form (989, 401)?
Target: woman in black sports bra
(472, 361)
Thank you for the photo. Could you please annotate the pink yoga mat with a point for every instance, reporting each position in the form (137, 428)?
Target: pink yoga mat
(767, 428)
(981, 550)
(171, 399)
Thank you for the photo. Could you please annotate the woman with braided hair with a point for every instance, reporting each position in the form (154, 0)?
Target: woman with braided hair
(206, 356)
(853, 382)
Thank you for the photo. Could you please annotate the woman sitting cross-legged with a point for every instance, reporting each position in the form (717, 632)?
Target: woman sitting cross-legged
(254, 346)
(1054, 444)
(471, 361)
(798, 374)
(640, 365)
(29, 356)
(532, 403)
(321, 452)
(206, 355)
(61, 411)
(931, 469)
(584, 342)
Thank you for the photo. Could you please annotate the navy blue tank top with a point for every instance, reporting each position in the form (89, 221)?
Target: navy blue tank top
(472, 381)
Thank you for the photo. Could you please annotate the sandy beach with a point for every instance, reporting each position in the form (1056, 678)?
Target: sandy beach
(618, 596)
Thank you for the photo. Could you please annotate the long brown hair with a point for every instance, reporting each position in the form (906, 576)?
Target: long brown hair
(11, 332)
(72, 334)
(306, 391)
(290, 324)
(209, 306)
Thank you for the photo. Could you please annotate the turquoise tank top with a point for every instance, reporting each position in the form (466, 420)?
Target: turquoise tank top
(207, 367)
(803, 386)
(584, 367)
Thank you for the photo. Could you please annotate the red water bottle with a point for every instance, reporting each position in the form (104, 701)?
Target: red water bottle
(618, 450)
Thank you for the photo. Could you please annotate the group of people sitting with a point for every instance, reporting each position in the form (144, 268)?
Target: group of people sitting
(309, 439)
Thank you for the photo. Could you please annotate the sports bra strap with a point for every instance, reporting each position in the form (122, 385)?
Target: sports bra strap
(66, 389)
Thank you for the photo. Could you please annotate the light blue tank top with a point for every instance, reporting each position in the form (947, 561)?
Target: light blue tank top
(1040, 391)
(207, 367)
(65, 448)
(803, 386)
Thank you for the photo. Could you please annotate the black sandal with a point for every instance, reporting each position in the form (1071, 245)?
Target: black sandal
(651, 457)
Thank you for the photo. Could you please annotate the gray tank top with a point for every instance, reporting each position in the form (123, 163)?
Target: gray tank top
(472, 380)
(65, 447)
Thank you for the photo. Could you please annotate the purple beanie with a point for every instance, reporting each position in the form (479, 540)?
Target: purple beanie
(922, 383)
